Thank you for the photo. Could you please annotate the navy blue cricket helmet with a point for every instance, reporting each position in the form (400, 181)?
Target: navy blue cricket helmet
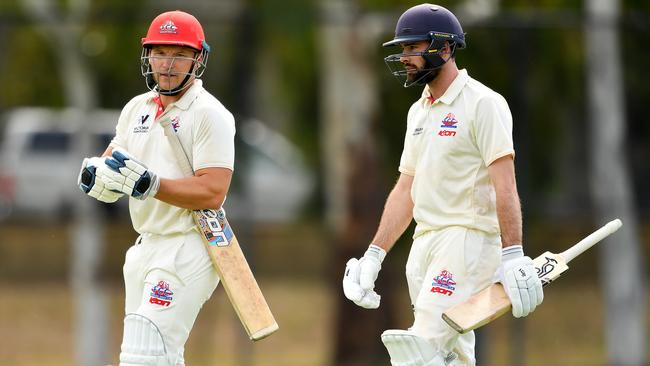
(425, 22)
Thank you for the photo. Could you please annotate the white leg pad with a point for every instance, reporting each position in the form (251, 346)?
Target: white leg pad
(408, 349)
(142, 343)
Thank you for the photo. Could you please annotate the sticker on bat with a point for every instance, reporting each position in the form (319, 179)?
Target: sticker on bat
(214, 225)
(220, 240)
(209, 213)
(547, 267)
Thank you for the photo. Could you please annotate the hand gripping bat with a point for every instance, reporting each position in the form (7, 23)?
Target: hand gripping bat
(492, 302)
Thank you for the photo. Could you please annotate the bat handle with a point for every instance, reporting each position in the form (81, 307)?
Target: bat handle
(175, 142)
(592, 239)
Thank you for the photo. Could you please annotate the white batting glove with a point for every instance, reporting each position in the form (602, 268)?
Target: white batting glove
(360, 275)
(123, 173)
(519, 278)
(92, 185)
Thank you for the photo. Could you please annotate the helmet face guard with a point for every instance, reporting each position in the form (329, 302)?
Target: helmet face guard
(433, 60)
(199, 64)
(425, 22)
(174, 28)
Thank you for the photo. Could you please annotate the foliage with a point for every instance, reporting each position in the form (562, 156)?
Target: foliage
(536, 62)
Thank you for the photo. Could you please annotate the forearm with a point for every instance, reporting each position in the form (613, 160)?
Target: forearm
(516, 272)
(192, 193)
(509, 215)
(207, 189)
(397, 215)
(502, 175)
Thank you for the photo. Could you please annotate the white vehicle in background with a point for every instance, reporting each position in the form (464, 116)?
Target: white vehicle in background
(39, 164)
(271, 182)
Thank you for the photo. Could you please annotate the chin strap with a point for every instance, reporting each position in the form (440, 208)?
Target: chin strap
(176, 90)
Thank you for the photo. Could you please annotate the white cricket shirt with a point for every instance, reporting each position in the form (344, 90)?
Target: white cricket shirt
(206, 130)
(449, 144)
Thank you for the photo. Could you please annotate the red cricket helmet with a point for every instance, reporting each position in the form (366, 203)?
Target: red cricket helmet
(176, 28)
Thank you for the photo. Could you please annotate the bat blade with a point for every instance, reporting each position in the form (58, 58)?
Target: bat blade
(492, 302)
(478, 310)
(235, 274)
(226, 255)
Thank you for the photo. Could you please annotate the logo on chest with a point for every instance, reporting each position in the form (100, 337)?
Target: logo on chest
(448, 125)
(176, 123)
(141, 126)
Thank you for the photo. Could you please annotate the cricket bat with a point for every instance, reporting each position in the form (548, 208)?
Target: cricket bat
(492, 302)
(227, 257)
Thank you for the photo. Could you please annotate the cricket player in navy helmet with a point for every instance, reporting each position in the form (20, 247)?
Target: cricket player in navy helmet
(457, 181)
(168, 274)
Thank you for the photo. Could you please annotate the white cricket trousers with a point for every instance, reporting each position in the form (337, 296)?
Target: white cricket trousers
(446, 267)
(167, 280)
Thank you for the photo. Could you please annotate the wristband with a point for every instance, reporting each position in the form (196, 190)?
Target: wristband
(376, 251)
(512, 252)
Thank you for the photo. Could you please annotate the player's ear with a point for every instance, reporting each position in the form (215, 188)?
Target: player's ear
(197, 63)
(446, 48)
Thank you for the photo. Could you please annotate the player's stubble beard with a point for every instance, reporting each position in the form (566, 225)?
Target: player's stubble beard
(422, 76)
(169, 84)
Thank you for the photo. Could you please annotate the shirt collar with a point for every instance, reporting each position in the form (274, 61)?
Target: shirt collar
(452, 91)
(190, 95)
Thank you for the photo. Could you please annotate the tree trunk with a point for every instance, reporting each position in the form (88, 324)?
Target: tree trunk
(620, 257)
(90, 302)
(354, 191)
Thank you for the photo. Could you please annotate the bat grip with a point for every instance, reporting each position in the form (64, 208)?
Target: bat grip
(592, 239)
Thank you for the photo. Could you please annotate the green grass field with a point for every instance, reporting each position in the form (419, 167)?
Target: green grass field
(37, 308)
(37, 328)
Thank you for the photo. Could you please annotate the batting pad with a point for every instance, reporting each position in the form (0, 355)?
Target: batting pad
(142, 343)
(407, 349)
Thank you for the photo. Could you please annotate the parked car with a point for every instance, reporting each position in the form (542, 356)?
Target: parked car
(40, 160)
(271, 181)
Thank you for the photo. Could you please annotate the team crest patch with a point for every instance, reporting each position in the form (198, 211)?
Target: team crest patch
(176, 123)
(448, 123)
(168, 28)
(444, 283)
(161, 294)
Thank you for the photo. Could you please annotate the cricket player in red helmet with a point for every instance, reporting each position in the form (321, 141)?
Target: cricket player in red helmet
(457, 182)
(174, 28)
(168, 274)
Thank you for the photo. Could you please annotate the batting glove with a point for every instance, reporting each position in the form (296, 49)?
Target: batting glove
(125, 174)
(92, 185)
(360, 275)
(519, 278)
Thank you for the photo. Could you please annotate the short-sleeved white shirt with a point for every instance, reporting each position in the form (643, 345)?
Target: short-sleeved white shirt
(206, 130)
(449, 144)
